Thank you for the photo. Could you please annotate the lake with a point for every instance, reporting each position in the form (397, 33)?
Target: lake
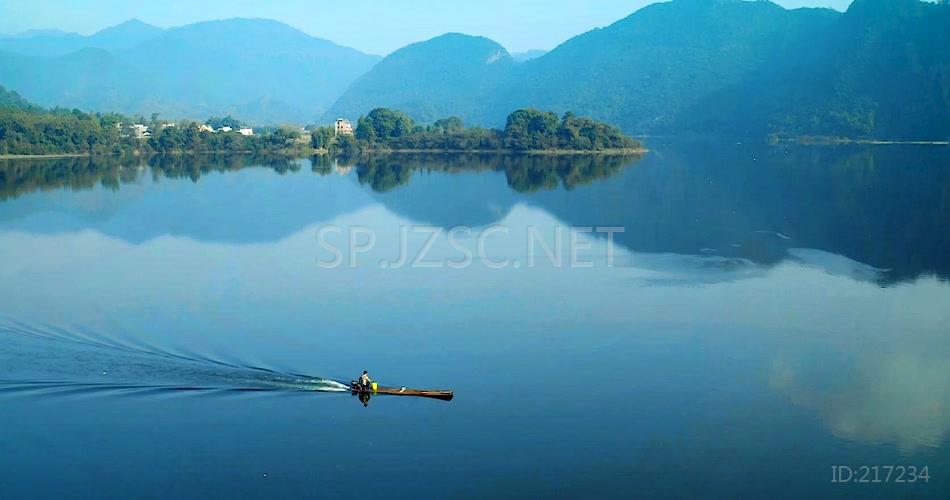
(705, 320)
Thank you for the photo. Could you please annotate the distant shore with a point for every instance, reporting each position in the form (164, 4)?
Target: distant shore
(324, 152)
(57, 155)
(537, 152)
(839, 141)
(146, 154)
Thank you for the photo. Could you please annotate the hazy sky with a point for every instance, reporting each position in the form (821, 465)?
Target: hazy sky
(375, 26)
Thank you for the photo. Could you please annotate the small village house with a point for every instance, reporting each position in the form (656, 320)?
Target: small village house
(140, 131)
(343, 127)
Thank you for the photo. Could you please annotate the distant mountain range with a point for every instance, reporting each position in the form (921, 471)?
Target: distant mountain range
(260, 70)
(736, 67)
(732, 66)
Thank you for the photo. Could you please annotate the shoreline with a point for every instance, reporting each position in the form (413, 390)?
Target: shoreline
(512, 152)
(142, 154)
(843, 141)
(53, 155)
(378, 151)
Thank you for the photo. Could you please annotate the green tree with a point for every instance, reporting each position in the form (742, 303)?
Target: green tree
(449, 125)
(322, 137)
(528, 129)
(346, 145)
(228, 121)
(382, 125)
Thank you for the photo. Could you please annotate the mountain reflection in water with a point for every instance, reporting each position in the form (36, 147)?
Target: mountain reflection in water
(758, 204)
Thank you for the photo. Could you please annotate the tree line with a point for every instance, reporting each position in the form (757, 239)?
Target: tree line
(189, 137)
(525, 130)
(27, 129)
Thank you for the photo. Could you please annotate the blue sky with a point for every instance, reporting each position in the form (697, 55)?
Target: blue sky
(375, 26)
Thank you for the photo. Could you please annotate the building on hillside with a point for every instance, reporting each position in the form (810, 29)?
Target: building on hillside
(140, 131)
(246, 131)
(225, 129)
(343, 127)
(167, 125)
(204, 127)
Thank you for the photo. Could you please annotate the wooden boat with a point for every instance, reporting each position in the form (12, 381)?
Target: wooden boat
(403, 391)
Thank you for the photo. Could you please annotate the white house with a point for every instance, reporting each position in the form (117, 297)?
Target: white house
(225, 129)
(204, 127)
(343, 127)
(246, 131)
(140, 131)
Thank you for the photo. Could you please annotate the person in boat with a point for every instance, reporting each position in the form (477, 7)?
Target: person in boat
(364, 383)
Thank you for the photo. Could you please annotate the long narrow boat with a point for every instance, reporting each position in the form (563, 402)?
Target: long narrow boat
(403, 391)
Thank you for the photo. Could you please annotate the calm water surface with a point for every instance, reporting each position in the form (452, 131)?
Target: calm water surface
(167, 328)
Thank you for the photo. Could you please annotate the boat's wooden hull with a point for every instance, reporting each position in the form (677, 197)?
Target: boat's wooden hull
(403, 391)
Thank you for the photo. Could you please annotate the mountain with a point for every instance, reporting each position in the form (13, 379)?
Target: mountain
(44, 43)
(55, 43)
(452, 74)
(10, 99)
(260, 70)
(236, 63)
(643, 71)
(124, 36)
(887, 74)
(90, 79)
(639, 73)
(735, 67)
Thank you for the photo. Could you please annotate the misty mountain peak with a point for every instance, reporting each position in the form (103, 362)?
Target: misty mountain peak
(450, 74)
(131, 26)
(457, 47)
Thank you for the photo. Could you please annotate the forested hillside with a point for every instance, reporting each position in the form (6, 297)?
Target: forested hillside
(879, 70)
(452, 74)
(886, 73)
(643, 72)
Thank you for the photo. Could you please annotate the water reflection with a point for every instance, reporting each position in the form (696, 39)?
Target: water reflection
(23, 176)
(880, 380)
(885, 208)
(524, 173)
(888, 208)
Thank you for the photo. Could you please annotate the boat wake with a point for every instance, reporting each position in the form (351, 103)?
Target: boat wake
(55, 361)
